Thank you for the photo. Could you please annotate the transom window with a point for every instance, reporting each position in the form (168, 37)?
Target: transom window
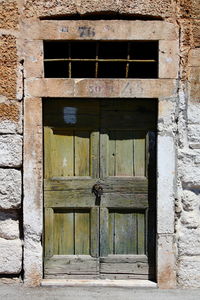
(101, 59)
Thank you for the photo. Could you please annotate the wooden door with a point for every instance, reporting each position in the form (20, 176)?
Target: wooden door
(104, 142)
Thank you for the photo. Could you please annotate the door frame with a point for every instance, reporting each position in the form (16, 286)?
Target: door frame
(36, 87)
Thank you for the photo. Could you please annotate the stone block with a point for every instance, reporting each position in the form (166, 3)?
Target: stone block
(166, 261)
(33, 59)
(10, 151)
(166, 115)
(9, 15)
(194, 132)
(168, 59)
(43, 8)
(166, 184)
(193, 113)
(10, 189)
(190, 219)
(190, 8)
(156, 8)
(188, 274)
(196, 32)
(11, 256)
(194, 79)
(190, 200)
(194, 57)
(10, 117)
(8, 66)
(188, 167)
(48, 7)
(9, 225)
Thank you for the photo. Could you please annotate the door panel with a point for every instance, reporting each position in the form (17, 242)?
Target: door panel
(104, 142)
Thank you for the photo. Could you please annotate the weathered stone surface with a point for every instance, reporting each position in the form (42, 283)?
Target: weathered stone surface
(33, 202)
(194, 131)
(194, 57)
(166, 115)
(9, 225)
(166, 259)
(63, 7)
(10, 188)
(10, 151)
(190, 8)
(9, 17)
(48, 8)
(58, 87)
(166, 181)
(189, 271)
(196, 33)
(33, 59)
(194, 78)
(10, 117)
(11, 256)
(99, 30)
(190, 200)
(189, 168)
(8, 64)
(193, 113)
(148, 8)
(168, 59)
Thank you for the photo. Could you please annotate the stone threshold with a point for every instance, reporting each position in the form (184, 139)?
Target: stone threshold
(98, 283)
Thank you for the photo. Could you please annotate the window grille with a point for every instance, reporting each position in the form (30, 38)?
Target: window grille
(101, 59)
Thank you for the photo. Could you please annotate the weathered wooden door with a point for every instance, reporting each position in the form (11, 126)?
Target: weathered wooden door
(103, 145)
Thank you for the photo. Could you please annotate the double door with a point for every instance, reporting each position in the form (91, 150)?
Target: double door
(99, 203)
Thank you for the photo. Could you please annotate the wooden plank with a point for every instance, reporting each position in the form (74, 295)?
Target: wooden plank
(82, 152)
(104, 154)
(94, 242)
(141, 234)
(114, 200)
(112, 154)
(104, 231)
(94, 154)
(127, 268)
(63, 232)
(111, 233)
(139, 154)
(123, 276)
(62, 154)
(110, 184)
(82, 232)
(113, 258)
(125, 232)
(48, 214)
(69, 199)
(124, 153)
(71, 264)
(47, 152)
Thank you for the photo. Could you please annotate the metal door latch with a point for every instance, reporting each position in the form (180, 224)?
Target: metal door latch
(97, 190)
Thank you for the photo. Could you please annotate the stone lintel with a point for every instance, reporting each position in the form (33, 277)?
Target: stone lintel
(98, 88)
(99, 30)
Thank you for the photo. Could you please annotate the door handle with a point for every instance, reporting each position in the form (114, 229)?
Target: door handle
(97, 189)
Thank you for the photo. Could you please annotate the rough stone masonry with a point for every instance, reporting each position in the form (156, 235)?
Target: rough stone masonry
(183, 114)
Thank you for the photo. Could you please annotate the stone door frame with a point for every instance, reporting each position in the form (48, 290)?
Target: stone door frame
(36, 87)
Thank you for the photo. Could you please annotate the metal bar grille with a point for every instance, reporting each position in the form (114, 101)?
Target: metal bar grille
(98, 59)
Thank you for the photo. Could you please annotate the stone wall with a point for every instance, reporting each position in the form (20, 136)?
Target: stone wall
(186, 129)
